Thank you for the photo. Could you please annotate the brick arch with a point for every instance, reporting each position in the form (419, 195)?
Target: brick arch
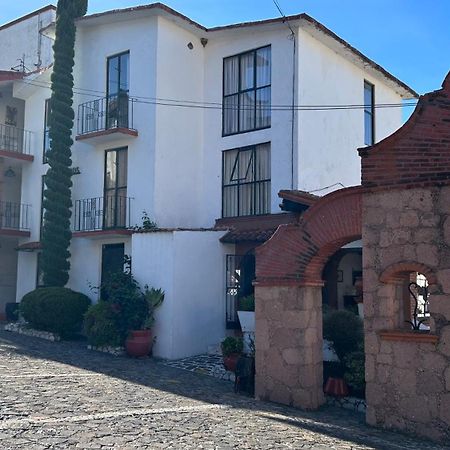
(297, 253)
(394, 272)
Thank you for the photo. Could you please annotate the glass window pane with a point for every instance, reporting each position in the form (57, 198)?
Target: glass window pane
(122, 168)
(124, 72)
(246, 166)
(113, 76)
(247, 71)
(247, 111)
(262, 166)
(368, 132)
(246, 197)
(111, 173)
(230, 114)
(229, 166)
(368, 97)
(263, 66)
(263, 107)
(231, 75)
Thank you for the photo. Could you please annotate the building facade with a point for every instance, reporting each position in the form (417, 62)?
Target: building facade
(195, 130)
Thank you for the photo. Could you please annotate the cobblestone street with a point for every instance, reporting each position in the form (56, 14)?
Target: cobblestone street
(60, 395)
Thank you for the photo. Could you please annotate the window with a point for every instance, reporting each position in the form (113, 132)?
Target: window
(118, 76)
(246, 181)
(115, 198)
(47, 140)
(42, 204)
(247, 91)
(113, 258)
(369, 113)
(39, 272)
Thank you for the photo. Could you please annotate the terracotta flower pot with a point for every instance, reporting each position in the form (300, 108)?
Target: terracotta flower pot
(230, 362)
(139, 343)
(337, 387)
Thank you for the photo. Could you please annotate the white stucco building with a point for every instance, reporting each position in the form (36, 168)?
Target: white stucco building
(198, 128)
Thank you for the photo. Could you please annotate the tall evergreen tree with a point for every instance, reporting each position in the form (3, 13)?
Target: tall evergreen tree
(56, 234)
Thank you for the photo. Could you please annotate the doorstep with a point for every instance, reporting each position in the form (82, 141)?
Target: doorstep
(208, 364)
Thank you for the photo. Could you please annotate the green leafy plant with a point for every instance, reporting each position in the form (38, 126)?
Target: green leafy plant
(345, 330)
(247, 303)
(56, 309)
(231, 345)
(100, 325)
(147, 223)
(57, 203)
(355, 371)
(123, 293)
(154, 298)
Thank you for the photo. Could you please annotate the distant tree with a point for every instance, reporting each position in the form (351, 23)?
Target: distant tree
(56, 234)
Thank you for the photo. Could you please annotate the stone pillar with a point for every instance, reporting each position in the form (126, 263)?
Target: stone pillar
(288, 340)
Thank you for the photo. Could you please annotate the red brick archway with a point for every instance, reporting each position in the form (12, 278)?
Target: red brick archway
(297, 253)
(289, 298)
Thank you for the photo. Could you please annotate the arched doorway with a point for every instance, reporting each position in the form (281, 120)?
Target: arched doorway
(289, 298)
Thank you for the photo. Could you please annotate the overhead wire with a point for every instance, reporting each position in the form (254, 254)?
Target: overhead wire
(219, 106)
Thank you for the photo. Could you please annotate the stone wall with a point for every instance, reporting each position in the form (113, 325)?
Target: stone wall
(407, 374)
(288, 339)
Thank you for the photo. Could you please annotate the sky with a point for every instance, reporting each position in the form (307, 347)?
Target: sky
(409, 38)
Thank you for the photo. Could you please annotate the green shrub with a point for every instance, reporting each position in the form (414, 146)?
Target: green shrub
(247, 303)
(154, 298)
(355, 371)
(100, 325)
(345, 330)
(232, 345)
(123, 293)
(55, 309)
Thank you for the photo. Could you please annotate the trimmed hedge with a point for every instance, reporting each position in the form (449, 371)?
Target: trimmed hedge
(100, 325)
(55, 309)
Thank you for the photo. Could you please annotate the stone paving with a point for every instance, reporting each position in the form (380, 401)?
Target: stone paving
(60, 395)
(208, 364)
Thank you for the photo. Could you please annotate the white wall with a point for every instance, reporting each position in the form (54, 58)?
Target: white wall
(328, 140)
(279, 135)
(140, 38)
(8, 271)
(22, 38)
(190, 267)
(86, 263)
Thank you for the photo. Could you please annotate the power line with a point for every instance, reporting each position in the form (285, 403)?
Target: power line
(219, 106)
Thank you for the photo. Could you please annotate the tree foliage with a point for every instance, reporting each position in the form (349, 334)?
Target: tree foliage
(56, 234)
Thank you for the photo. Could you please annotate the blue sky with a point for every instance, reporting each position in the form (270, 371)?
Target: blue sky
(410, 38)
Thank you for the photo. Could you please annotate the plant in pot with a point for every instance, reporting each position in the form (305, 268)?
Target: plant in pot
(345, 330)
(140, 342)
(231, 351)
(246, 314)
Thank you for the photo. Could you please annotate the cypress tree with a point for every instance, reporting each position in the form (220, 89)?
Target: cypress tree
(56, 233)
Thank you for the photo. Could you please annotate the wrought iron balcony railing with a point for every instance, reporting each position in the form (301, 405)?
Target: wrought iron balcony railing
(16, 140)
(102, 213)
(14, 216)
(114, 111)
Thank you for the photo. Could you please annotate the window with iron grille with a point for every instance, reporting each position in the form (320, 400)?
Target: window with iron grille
(246, 181)
(247, 91)
(47, 140)
(369, 113)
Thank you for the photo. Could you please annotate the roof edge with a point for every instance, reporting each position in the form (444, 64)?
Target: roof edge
(303, 16)
(28, 16)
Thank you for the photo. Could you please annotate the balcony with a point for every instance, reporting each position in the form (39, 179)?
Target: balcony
(15, 143)
(102, 216)
(14, 219)
(105, 119)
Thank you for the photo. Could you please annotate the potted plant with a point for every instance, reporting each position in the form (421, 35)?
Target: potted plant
(231, 351)
(344, 330)
(140, 342)
(246, 314)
